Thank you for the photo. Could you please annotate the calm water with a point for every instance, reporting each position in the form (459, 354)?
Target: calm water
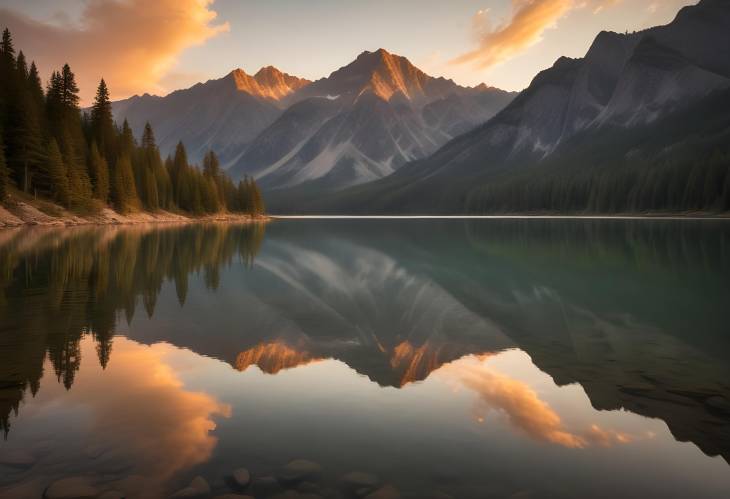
(464, 359)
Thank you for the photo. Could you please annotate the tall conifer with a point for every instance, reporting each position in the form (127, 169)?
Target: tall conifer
(102, 122)
(56, 175)
(4, 173)
(99, 172)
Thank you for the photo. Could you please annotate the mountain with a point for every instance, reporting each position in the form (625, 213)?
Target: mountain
(359, 124)
(362, 123)
(645, 104)
(224, 114)
(268, 83)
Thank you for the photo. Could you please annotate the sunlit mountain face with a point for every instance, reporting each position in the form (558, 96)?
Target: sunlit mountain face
(449, 356)
(360, 123)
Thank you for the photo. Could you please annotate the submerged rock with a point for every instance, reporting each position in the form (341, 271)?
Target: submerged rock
(241, 478)
(385, 492)
(264, 486)
(293, 494)
(112, 494)
(299, 470)
(198, 488)
(434, 495)
(201, 484)
(188, 493)
(77, 487)
(360, 482)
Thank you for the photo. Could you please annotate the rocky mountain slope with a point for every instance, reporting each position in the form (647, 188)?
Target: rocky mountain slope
(625, 82)
(224, 114)
(362, 123)
(359, 124)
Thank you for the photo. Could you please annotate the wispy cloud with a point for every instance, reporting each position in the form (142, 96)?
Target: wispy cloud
(131, 43)
(525, 28)
(523, 408)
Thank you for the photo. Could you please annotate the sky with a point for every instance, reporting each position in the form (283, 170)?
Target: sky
(159, 46)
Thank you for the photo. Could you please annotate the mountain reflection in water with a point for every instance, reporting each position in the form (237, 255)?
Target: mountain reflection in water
(563, 333)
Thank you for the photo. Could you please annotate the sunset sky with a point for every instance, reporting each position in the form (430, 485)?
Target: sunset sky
(156, 47)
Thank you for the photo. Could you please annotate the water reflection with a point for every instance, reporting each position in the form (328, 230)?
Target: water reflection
(136, 436)
(618, 316)
(59, 285)
(522, 406)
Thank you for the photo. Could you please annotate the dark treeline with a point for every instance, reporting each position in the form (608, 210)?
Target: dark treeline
(671, 186)
(63, 285)
(80, 160)
(681, 163)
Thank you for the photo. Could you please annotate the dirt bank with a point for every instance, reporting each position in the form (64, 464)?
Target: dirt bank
(15, 212)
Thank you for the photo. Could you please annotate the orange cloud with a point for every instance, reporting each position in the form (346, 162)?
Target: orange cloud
(166, 430)
(599, 5)
(131, 43)
(519, 402)
(530, 18)
(138, 416)
(522, 406)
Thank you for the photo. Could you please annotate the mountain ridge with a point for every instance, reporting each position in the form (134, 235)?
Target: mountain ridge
(625, 82)
(366, 119)
(268, 82)
(241, 117)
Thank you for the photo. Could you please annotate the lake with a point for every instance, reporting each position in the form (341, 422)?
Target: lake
(436, 358)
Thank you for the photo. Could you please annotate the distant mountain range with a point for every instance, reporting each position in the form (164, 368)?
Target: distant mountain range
(360, 124)
(637, 99)
(224, 115)
(379, 135)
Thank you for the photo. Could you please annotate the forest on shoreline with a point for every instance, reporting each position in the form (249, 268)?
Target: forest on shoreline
(83, 161)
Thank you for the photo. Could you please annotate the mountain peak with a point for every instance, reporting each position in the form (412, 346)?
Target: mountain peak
(382, 73)
(378, 55)
(268, 83)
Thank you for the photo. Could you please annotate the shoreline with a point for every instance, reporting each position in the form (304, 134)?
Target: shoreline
(627, 216)
(22, 214)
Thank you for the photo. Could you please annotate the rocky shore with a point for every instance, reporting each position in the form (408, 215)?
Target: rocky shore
(16, 213)
(298, 479)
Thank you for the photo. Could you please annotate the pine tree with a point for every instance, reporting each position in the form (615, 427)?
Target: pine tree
(211, 166)
(35, 86)
(25, 149)
(69, 88)
(21, 68)
(123, 191)
(211, 202)
(149, 161)
(179, 178)
(79, 183)
(257, 201)
(57, 180)
(99, 172)
(127, 144)
(164, 186)
(7, 70)
(25, 141)
(4, 173)
(102, 122)
(64, 118)
(243, 198)
(148, 138)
